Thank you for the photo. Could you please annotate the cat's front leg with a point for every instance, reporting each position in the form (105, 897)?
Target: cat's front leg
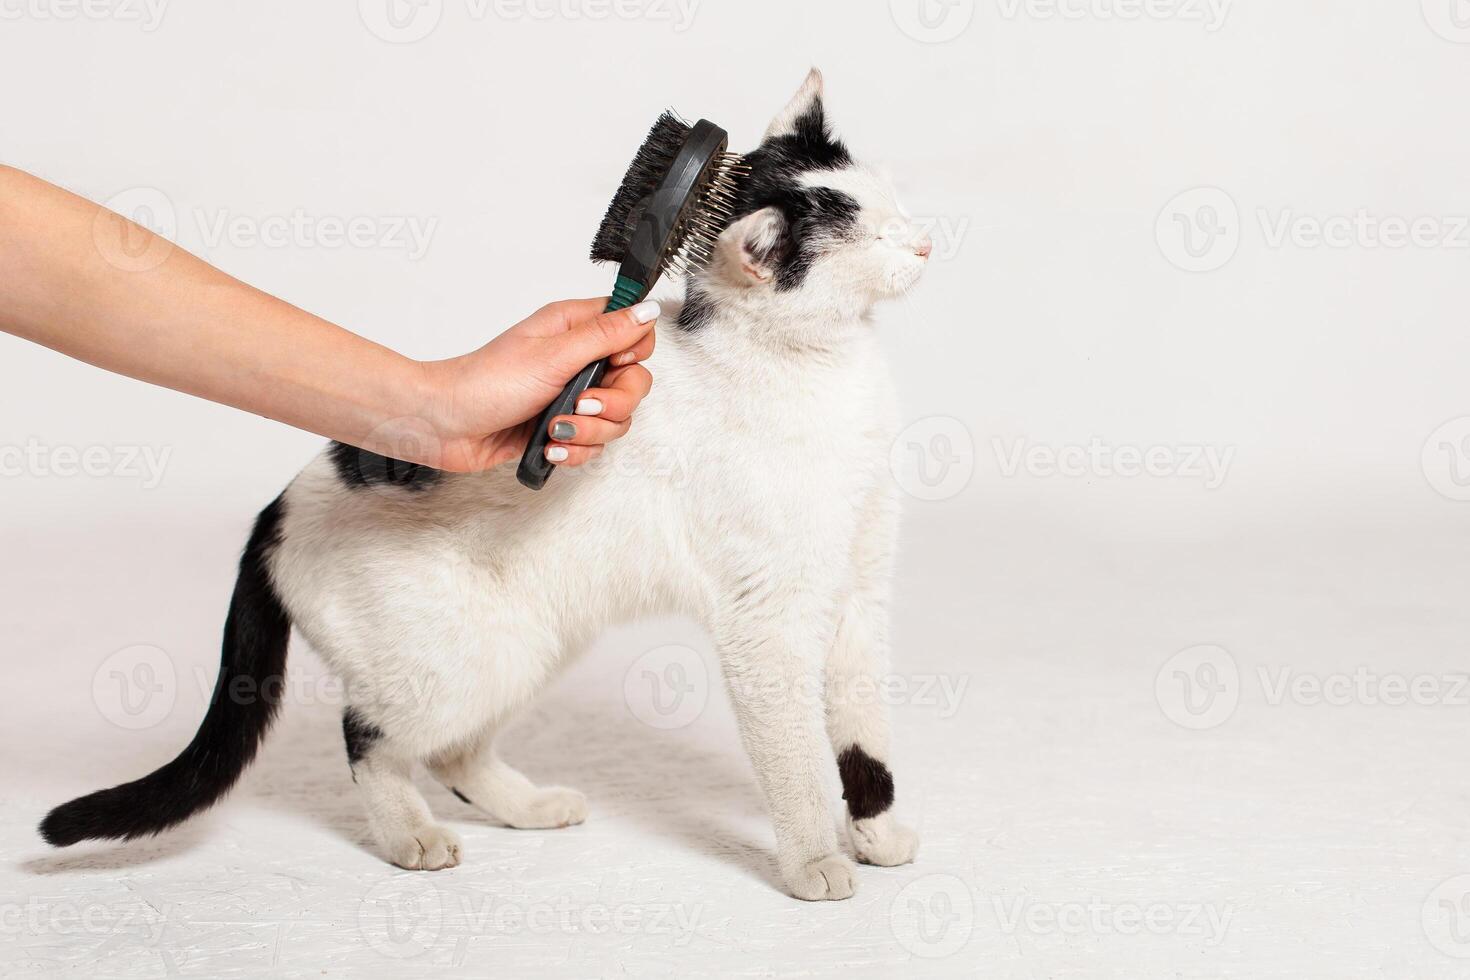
(772, 664)
(857, 722)
(857, 717)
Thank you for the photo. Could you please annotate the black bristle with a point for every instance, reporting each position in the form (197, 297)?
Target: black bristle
(648, 168)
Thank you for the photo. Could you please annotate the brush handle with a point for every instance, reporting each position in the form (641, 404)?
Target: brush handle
(535, 468)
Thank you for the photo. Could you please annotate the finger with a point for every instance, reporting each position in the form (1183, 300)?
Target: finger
(640, 351)
(623, 390)
(571, 430)
(572, 455)
(561, 316)
(602, 336)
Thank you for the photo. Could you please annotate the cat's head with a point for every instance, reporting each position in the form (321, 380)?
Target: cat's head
(815, 232)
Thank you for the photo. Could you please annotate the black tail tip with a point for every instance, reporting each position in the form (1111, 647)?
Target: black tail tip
(63, 826)
(97, 816)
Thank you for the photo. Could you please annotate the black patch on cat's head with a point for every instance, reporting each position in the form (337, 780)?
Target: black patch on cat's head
(812, 214)
(360, 468)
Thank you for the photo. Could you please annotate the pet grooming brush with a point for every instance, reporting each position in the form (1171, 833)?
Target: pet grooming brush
(678, 195)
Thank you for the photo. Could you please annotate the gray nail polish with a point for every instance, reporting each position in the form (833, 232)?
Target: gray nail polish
(562, 431)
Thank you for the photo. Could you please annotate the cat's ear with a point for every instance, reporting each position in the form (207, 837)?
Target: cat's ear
(806, 102)
(752, 249)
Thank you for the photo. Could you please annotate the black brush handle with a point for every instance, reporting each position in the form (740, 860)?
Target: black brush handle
(535, 468)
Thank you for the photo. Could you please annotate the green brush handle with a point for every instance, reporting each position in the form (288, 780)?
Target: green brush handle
(535, 468)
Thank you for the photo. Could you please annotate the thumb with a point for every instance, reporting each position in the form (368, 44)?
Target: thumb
(604, 335)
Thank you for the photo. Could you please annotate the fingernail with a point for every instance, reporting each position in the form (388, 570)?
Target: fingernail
(626, 357)
(647, 311)
(562, 431)
(589, 406)
(556, 454)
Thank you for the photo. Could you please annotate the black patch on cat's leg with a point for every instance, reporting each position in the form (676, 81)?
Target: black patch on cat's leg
(360, 468)
(867, 785)
(462, 797)
(360, 735)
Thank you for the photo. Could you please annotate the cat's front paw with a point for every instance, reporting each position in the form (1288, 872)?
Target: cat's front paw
(830, 878)
(883, 841)
(549, 808)
(429, 848)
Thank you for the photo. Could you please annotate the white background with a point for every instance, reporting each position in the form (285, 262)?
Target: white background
(1068, 157)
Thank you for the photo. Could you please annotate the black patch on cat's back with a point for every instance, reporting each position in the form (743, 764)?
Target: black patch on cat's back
(867, 785)
(359, 734)
(359, 468)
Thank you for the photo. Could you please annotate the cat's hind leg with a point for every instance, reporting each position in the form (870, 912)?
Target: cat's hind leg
(482, 779)
(397, 814)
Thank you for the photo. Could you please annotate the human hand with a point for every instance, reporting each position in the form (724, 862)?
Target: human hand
(484, 403)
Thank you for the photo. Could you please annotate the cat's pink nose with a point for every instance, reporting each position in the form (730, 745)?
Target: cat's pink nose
(923, 247)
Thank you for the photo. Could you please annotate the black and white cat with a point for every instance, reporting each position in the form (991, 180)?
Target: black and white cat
(446, 602)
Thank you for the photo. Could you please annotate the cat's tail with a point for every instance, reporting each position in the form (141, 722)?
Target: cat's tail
(249, 689)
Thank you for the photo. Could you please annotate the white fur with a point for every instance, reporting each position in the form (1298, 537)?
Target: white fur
(751, 493)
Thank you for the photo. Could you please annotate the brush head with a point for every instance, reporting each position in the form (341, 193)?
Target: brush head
(678, 195)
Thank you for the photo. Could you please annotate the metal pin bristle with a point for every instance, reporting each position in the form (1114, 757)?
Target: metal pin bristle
(699, 230)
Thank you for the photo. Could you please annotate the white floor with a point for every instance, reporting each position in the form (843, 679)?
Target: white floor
(1070, 827)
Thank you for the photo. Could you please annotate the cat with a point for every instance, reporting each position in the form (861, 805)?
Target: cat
(445, 602)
